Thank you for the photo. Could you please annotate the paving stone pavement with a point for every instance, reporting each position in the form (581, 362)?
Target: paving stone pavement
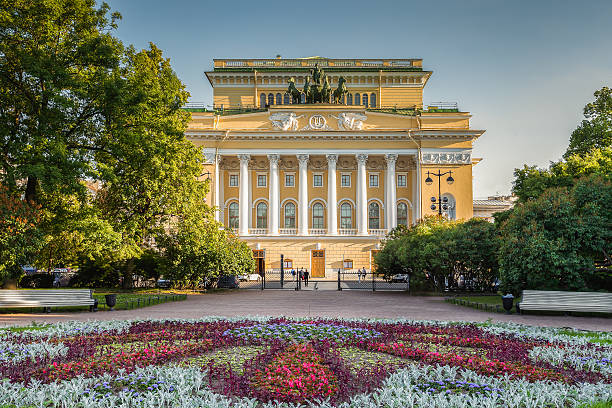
(345, 304)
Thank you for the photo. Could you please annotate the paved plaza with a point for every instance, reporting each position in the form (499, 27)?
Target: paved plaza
(345, 304)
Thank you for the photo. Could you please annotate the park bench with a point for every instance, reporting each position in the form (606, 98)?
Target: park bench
(47, 298)
(566, 302)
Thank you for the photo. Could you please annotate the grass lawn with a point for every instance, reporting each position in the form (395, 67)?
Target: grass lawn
(126, 299)
(492, 303)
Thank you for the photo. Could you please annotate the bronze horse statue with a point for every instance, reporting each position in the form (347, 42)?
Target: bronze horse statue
(293, 91)
(326, 91)
(340, 91)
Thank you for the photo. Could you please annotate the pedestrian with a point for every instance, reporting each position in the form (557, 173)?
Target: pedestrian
(292, 274)
(306, 274)
(359, 275)
(363, 273)
(300, 274)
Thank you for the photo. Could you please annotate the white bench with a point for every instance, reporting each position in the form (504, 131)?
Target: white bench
(47, 298)
(561, 301)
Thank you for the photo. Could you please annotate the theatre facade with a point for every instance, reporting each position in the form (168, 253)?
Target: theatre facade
(318, 159)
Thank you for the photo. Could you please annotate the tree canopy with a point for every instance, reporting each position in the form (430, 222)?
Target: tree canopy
(596, 130)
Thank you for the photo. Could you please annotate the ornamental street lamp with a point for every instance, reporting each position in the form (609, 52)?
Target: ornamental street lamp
(439, 203)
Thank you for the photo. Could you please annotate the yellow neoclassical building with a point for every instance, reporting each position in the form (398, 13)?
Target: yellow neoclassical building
(322, 183)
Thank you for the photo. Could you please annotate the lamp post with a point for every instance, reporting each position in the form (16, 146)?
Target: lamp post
(440, 203)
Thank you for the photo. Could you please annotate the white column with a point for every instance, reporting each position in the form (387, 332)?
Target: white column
(391, 205)
(417, 204)
(362, 195)
(303, 195)
(217, 191)
(274, 194)
(243, 198)
(332, 211)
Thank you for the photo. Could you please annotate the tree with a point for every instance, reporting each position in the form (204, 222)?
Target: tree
(19, 237)
(57, 65)
(198, 251)
(437, 252)
(530, 182)
(552, 242)
(596, 130)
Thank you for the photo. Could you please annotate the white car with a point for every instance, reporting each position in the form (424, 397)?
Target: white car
(400, 277)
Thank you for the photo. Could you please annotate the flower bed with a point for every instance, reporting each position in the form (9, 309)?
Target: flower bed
(284, 362)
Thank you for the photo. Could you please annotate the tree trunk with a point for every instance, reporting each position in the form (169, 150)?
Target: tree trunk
(31, 192)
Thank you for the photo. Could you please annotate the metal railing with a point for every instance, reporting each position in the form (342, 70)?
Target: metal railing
(322, 62)
(443, 106)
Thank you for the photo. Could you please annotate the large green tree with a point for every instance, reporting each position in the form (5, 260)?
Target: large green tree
(57, 65)
(596, 130)
(554, 241)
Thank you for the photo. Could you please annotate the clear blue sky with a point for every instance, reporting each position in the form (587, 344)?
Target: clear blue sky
(524, 69)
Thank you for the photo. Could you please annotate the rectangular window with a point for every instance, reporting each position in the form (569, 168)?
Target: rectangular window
(261, 180)
(233, 180)
(401, 180)
(373, 180)
(317, 180)
(348, 264)
(289, 180)
(345, 180)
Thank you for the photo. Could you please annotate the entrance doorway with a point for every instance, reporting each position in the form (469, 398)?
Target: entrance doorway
(260, 261)
(317, 263)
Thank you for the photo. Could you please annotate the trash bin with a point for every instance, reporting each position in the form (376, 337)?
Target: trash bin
(508, 302)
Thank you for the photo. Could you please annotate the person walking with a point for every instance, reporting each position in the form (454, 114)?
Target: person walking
(306, 275)
(293, 274)
(359, 275)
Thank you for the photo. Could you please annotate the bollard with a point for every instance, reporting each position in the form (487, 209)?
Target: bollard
(339, 286)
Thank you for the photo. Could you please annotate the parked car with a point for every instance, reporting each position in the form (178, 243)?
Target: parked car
(400, 278)
(249, 277)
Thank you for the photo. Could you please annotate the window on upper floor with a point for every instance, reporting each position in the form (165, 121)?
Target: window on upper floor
(289, 180)
(270, 99)
(345, 180)
(373, 180)
(262, 215)
(233, 215)
(373, 216)
(286, 99)
(233, 180)
(279, 99)
(317, 180)
(289, 215)
(261, 180)
(346, 216)
(262, 100)
(401, 180)
(372, 100)
(357, 99)
(365, 100)
(317, 216)
(402, 214)
(349, 99)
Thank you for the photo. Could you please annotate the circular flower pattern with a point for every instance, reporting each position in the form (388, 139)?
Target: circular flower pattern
(283, 361)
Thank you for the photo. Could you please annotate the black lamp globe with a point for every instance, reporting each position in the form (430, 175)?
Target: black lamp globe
(433, 199)
(433, 207)
(428, 181)
(445, 199)
(450, 180)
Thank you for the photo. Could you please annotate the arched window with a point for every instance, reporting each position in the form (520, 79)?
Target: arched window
(373, 216)
(233, 215)
(279, 99)
(286, 99)
(402, 214)
(346, 216)
(357, 99)
(262, 215)
(289, 215)
(270, 99)
(303, 97)
(372, 100)
(350, 99)
(365, 100)
(262, 100)
(317, 215)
